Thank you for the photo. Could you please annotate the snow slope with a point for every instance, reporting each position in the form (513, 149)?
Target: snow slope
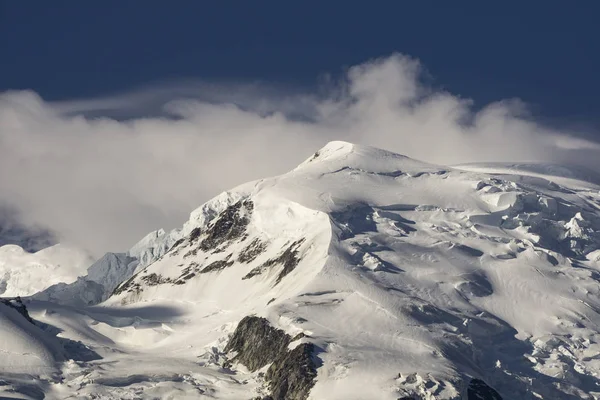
(25, 349)
(410, 280)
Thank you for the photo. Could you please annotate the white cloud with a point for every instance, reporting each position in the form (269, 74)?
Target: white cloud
(104, 183)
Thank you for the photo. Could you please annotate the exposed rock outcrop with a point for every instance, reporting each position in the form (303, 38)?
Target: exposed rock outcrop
(217, 265)
(253, 250)
(291, 374)
(229, 225)
(18, 305)
(257, 343)
(289, 259)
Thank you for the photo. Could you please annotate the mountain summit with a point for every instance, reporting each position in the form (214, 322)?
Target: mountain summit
(360, 274)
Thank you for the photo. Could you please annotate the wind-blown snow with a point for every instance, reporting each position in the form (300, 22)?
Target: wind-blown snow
(412, 280)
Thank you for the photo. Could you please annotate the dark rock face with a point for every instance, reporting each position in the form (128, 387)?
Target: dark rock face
(188, 273)
(17, 304)
(253, 250)
(479, 390)
(192, 237)
(194, 234)
(155, 279)
(229, 225)
(292, 372)
(137, 282)
(255, 271)
(257, 343)
(289, 259)
(291, 377)
(174, 249)
(217, 265)
(132, 286)
(128, 286)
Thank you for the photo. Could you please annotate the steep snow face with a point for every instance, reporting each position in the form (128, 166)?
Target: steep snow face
(101, 279)
(104, 275)
(25, 348)
(154, 245)
(23, 273)
(404, 280)
(266, 237)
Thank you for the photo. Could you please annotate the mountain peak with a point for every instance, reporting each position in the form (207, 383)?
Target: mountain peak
(337, 155)
(333, 149)
(336, 148)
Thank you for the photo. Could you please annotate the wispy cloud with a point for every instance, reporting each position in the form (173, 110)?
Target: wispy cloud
(103, 182)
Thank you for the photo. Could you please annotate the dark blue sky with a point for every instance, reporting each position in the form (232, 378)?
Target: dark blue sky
(545, 52)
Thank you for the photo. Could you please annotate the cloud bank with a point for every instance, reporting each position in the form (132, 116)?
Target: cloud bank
(103, 182)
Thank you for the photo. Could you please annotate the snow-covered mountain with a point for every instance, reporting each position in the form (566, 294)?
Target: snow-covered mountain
(361, 274)
(97, 283)
(23, 273)
(31, 260)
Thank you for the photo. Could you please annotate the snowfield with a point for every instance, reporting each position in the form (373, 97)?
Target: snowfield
(361, 274)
